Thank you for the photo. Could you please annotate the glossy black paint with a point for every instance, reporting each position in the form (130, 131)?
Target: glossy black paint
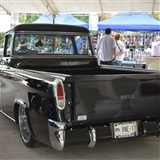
(100, 97)
(117, 98)
(95, 95)
(48, 27)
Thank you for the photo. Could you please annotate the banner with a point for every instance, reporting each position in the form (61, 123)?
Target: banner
(93, 22)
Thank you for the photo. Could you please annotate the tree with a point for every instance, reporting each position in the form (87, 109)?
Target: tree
(82, 17)
(27, 18)
(155, 15)
(2, 35)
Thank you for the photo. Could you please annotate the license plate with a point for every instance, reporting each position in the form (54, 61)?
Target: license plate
(125, 129)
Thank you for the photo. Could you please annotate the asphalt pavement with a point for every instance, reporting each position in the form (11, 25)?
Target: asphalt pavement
(12, 148)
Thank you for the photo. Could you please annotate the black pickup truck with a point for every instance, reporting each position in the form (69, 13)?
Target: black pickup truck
(52, 86)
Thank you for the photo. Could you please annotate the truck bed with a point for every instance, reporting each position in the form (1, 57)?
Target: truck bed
(106, 93)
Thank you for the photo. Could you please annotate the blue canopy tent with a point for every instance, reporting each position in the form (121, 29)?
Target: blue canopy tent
(61, 19)
(70, 20)
(130, 21)
(44, 18)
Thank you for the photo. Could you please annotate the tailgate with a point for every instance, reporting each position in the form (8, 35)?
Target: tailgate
(120, 97)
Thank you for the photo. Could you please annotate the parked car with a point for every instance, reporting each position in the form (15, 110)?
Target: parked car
(64, 99)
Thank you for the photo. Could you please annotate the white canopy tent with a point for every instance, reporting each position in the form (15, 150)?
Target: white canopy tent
(5, 19)
(54, 7)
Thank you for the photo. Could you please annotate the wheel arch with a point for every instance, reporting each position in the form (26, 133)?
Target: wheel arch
(20, 103)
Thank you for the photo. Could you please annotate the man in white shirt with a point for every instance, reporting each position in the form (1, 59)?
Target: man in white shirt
(106, 49)
(156, 47)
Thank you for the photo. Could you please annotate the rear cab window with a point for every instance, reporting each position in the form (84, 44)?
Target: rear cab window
(51, 43)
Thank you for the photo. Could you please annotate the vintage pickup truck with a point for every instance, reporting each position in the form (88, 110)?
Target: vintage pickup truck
(52, 86)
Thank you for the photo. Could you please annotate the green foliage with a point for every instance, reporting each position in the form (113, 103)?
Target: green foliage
(82, 17)
(102, 17)
(2, 35)
(27, 18)
(156, 15)
(85, 18)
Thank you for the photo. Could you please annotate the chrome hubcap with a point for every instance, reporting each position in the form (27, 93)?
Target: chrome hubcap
(23, 125)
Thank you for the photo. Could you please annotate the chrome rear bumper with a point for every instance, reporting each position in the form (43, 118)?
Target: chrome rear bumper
(58, 134)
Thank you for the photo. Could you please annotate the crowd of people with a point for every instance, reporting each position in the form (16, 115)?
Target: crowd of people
(110, 49)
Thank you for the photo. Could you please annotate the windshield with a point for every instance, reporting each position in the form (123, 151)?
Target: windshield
(52, 44)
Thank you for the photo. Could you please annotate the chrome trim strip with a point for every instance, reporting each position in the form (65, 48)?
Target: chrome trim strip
(7, 116)
(56, 134)
(20, 102)
(55, 83)
(92, 135)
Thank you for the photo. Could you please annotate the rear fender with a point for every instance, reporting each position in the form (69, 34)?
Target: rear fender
(21, 103)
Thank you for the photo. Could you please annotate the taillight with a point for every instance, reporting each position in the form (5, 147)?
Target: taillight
(59, 94)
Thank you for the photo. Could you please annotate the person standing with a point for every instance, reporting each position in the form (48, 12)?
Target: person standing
(79, 44)
(105, 49)
(156, 47)
(23, 42)
(120, 50)
(147, 51)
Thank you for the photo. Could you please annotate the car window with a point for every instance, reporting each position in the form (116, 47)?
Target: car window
(51, 44)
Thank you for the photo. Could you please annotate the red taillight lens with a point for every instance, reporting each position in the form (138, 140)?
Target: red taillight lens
(60, 93)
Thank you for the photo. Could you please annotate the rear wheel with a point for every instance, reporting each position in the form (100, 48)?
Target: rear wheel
(24, 128)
